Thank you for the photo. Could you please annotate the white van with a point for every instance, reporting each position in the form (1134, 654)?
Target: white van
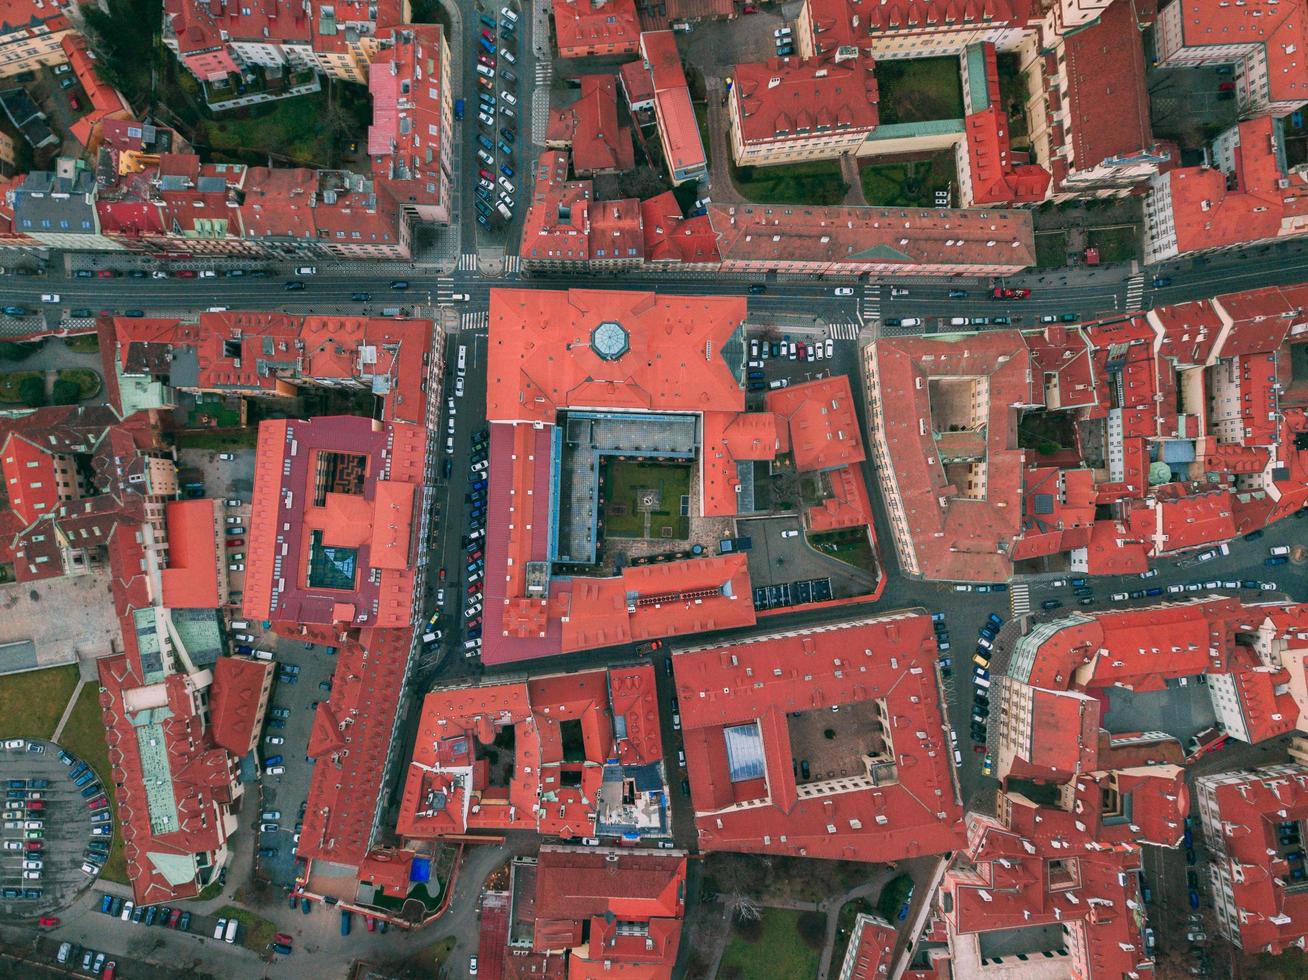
(463, 358)
(263, 655)
(508, 15)
(219, 929)
(485, 72)
(230, 934)
(240, 624)
(981, 682)
(505, 213)
(306, 270)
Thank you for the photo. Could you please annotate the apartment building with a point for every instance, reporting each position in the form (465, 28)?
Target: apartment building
(1248, 195)
(583, 28)
(30, 35)
(785, 110)
(1263, 40)
(683, 148)
(908, 28)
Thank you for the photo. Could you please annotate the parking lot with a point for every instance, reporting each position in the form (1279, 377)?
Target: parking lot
(498, 122)
(47, 829)
(807, 575)
(295, 696)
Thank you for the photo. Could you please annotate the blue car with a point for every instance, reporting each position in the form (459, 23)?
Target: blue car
(486, 144)
(1194, 899)
(506, 149)
(506, 170)
(106, 904)
(996, 619)
(273, 760)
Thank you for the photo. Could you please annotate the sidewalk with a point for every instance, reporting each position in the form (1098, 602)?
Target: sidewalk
(68, 709)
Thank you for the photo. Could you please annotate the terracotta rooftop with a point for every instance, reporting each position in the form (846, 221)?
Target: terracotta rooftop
(798, 99)
(582, 24)
(672, 104)
(191, 579)
(737, 700)
(821, 421)
(1279, 28)
(235, 704)
(543, 356)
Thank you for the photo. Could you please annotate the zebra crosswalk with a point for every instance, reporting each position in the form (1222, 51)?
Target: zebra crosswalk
(869, 304)
(540, 107)
(843, 331)
(474, 321)
(511, 263)
(1019, 597)
(1134, 291)
(468, 262)
(444, 289)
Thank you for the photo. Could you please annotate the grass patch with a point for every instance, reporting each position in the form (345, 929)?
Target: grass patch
(11, 384)
(910, 184)
(86, 382)
(849, 545)
(83, 343)
(919, 90)
(255, 933)
(32, 703)
(769, 949)
(1051, 249)
(815, 182)
(217, 438)
(627, 483)
(210, 410)
(83, 736)
(302, 131)
(1114, 244)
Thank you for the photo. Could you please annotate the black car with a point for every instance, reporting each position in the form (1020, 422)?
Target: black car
(685, 787)
(1051, 604)
(361, 297)
(292, 284)
(757, 288)
(509, 135)
(399, 284)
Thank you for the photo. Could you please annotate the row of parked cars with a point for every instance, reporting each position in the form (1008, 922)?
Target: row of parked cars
(497, 115)
(474, 542)
(94, 962)
(145, 915)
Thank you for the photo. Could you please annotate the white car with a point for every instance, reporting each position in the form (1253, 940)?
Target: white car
(1149, 574)
(460, 298)
(782, 32)
(49, 297)
(485, 120)
(1267, 586)
(238, 567)
(830, 345)
(1120, 596)
(960, 587)
(458, 387)
(274, 740)
(792, 533)
(13, 845)
(274, 771)
(269, 828)
(158, 274)
(844, 291)
(18, 744)
(1175, 589)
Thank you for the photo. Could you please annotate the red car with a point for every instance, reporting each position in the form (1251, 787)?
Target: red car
(107, 274)
(172, 919)
(97, 803)
(1000, 292)
(486, 60)
(34, 845)
(485, 174)
(474, 556)
(750, 8)
(440, 576)
(49, 921)
(282, 938)
(235, 542)
(36, 805)
(73, 103)
(474, 588)
(1226, 87)
(488, 36)
(185, 273)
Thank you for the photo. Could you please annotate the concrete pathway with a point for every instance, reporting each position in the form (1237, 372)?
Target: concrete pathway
(833, 907)
(722, 190)
(68, 709)
(849, 173)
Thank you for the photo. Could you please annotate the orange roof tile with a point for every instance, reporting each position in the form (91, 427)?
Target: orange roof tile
(191, 579)
(821, 421)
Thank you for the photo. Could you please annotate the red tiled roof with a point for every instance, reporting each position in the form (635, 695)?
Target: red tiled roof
(590, 127)
(585, 26)
(1278, 27)
(1107, 100)
(672, 104)
(821, 421)
(370, 515)
(760, 682)
(237, 701)
(1207, 213)
(540, 359)
(350, 743)
(406, 140)
(871, 944)
(801, 99)
(845, 22)
(31, 482)
(191, 579)
(847, 506)
(1268, 909)
(855, 238)
(670, 237)
(105, 102)
(1040, 866)
(954, 534)
(387, 870)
